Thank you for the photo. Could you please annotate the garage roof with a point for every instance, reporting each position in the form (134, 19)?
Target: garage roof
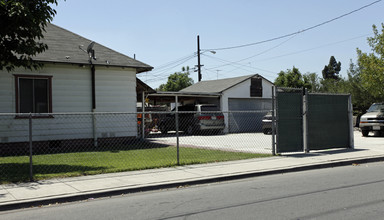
(217, 86)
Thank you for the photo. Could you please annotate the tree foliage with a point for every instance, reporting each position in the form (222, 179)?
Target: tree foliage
(177, 81)
(371, 65)
(331, 71)
(312, 81)
(22, 25)
(361, 99)
(364, 81)
(292, 78)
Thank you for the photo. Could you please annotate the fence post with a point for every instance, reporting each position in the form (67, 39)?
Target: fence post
(30, 148)
(177, 129)
(143, 115)
(350, 116)
(94, 128)
(273, 122)
(305, 120)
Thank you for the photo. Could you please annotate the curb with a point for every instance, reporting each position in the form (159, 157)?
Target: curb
(116, 192)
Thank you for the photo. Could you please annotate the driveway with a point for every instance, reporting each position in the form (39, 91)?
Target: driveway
(373, 141)
(250, 142)
(243, 142)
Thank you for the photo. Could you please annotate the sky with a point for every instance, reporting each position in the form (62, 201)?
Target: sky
(163, 34)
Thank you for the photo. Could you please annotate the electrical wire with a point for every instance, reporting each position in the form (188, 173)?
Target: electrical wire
(314, 48)
(263, 52)
(297, 32)
(160, 76)
(243, 67)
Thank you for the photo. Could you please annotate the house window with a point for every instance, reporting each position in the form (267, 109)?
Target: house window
(33, 94)
(256, 87)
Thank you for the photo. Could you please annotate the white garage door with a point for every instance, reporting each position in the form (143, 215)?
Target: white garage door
(250, 121)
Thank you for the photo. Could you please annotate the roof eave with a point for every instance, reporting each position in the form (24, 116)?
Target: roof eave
(139, 69)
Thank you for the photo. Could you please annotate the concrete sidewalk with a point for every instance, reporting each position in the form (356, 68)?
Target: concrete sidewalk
(14, 196)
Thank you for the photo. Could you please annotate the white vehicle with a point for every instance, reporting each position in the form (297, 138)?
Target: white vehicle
(373, 120)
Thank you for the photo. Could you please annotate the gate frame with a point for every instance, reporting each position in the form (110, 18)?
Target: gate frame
(305, 131)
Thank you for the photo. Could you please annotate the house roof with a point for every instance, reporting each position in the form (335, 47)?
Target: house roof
(141, 86)
(217, 86)
(67, 47)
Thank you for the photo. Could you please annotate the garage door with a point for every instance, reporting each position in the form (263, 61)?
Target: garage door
(247, 121)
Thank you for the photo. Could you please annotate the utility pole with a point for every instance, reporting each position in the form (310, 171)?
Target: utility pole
(198, 58)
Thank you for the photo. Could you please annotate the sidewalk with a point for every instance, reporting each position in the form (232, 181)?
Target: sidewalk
(14, 196)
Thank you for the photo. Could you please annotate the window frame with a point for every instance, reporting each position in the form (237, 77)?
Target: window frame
(17, 92)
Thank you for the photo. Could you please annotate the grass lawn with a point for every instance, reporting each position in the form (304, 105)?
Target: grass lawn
(16, 169)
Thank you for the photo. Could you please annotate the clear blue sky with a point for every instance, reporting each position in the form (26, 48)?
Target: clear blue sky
(163, 32)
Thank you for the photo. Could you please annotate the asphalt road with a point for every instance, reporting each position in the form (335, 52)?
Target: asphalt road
(352, 192)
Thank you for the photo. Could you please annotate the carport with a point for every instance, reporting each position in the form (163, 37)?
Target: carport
(184, 98)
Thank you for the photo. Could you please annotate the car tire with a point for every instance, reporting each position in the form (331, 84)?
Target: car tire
(190, 130)
(265, 131)
(365, 133)
(163, 129)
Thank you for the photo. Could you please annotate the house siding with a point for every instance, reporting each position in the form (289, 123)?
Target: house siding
(7, 92)
(72, 93)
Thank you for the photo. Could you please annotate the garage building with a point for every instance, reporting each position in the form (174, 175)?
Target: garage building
(244, 93)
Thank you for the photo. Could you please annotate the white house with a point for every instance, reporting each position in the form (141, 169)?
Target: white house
(78, 77)
(244, 93)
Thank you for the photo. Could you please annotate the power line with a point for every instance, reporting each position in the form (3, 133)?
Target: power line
(297, 32)
(263, 52)
(165, 69)
(160, 76)
(240, 66)
(182, 59)
(314, 48)
(233, 63)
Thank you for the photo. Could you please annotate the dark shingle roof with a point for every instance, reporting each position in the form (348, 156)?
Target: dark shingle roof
(216, 86)
(63, 47)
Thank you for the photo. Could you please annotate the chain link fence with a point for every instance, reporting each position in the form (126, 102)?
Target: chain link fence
(39, 146)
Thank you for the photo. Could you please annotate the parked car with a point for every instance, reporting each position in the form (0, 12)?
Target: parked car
(194, 118)
(267, 123)
(373, 120)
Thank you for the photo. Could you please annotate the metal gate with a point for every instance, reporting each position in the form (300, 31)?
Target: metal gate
(312, 121)
(328, 121)
(289, 117)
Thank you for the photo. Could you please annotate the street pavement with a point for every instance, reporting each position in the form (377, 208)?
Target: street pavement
(13, 196)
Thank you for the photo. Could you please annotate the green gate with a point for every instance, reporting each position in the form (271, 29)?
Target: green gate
(328, 121)
(307, 122)
(290, 120)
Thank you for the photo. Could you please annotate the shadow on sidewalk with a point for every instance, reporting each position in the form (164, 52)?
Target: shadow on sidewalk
(322, 152)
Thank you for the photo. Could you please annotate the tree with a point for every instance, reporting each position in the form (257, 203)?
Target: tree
(361, 99)
(371, 65)
(291, 78)
(331, 71)
(333, 85)
(177, 81)
(22, 25)
(312, 82)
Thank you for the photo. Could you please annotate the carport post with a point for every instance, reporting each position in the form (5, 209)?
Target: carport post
(273, 122)
(305, 121)
(177, 129)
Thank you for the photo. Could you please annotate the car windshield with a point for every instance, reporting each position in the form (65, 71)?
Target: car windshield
(379, 107)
